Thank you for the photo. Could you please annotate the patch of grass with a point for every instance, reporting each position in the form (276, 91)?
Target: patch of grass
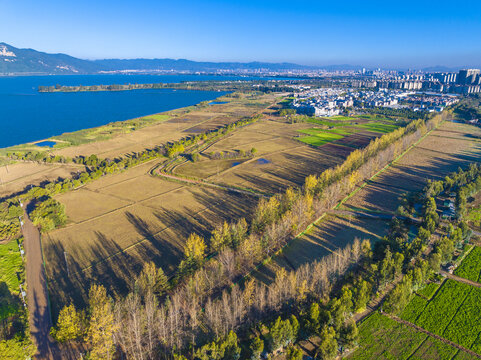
(342, 118)
(318, 137)
(378, 127)
(470, 268)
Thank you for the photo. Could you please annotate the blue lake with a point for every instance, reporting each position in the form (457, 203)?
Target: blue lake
(27, 115)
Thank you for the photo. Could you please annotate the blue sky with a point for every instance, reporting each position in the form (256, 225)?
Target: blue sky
(370, 33)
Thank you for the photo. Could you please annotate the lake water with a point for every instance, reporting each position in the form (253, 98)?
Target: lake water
(27, 115)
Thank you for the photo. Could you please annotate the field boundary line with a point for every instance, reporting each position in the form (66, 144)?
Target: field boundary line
(446, 341)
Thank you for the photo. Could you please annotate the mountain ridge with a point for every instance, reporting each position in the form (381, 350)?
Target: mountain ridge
(24, 61)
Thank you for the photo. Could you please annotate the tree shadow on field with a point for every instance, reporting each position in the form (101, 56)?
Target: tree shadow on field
(386, 191)
(72, 285)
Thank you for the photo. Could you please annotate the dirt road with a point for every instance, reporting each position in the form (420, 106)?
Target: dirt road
(37, 296)
(460, 279)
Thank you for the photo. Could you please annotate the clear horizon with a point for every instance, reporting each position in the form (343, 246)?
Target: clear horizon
(372, 34)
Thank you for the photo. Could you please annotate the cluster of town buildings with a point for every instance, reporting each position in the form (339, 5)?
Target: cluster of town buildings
(333, 101)
(467, 81)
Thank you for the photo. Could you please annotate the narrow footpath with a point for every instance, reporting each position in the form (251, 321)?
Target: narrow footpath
(460, 279)
(37, 295)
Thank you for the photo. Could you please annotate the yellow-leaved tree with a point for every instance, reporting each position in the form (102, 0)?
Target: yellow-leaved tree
(70, 324)
(100, 334)
(194, 249)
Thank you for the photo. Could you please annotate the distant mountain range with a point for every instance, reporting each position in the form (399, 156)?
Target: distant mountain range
(29, 61)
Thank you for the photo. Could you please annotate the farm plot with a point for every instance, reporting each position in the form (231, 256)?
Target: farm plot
(280, 161)
(414, 308)
(434, 349)
(383, 338)
(441, 310)
(429, 290)
(465, 327)
(326, 237)
(453, 313)
(470, 268)
(123, 222)
(16, 177)
(318, 137)
(411, 172)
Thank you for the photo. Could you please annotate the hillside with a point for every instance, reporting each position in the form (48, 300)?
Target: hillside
(25, 61)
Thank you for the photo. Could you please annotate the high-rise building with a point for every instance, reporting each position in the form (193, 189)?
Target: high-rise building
(468, 76)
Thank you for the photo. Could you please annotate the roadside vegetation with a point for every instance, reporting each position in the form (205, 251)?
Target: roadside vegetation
(15, 342)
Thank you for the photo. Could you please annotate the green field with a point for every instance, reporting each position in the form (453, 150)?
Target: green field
(384, 338)
(414, 309)
(336, 127)
(318, 137)
(440, 310)
(470, 268)
(378, 127)
(453, 313)
(465, 327)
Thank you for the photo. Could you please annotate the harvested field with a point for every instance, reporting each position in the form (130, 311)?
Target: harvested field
(120, 221)
(280, 160)
(382, 194)
(16, 177)
(324, 238)
(431, 159)
(82, 204)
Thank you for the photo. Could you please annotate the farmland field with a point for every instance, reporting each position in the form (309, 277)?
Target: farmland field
(383, 338)
(280, 160)
(16, 177)
(442, 152)
(120, 221)
(440, 310)
(453, 313)
(414, 309)
(326, 237)
(470, 267)
(383, 194)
